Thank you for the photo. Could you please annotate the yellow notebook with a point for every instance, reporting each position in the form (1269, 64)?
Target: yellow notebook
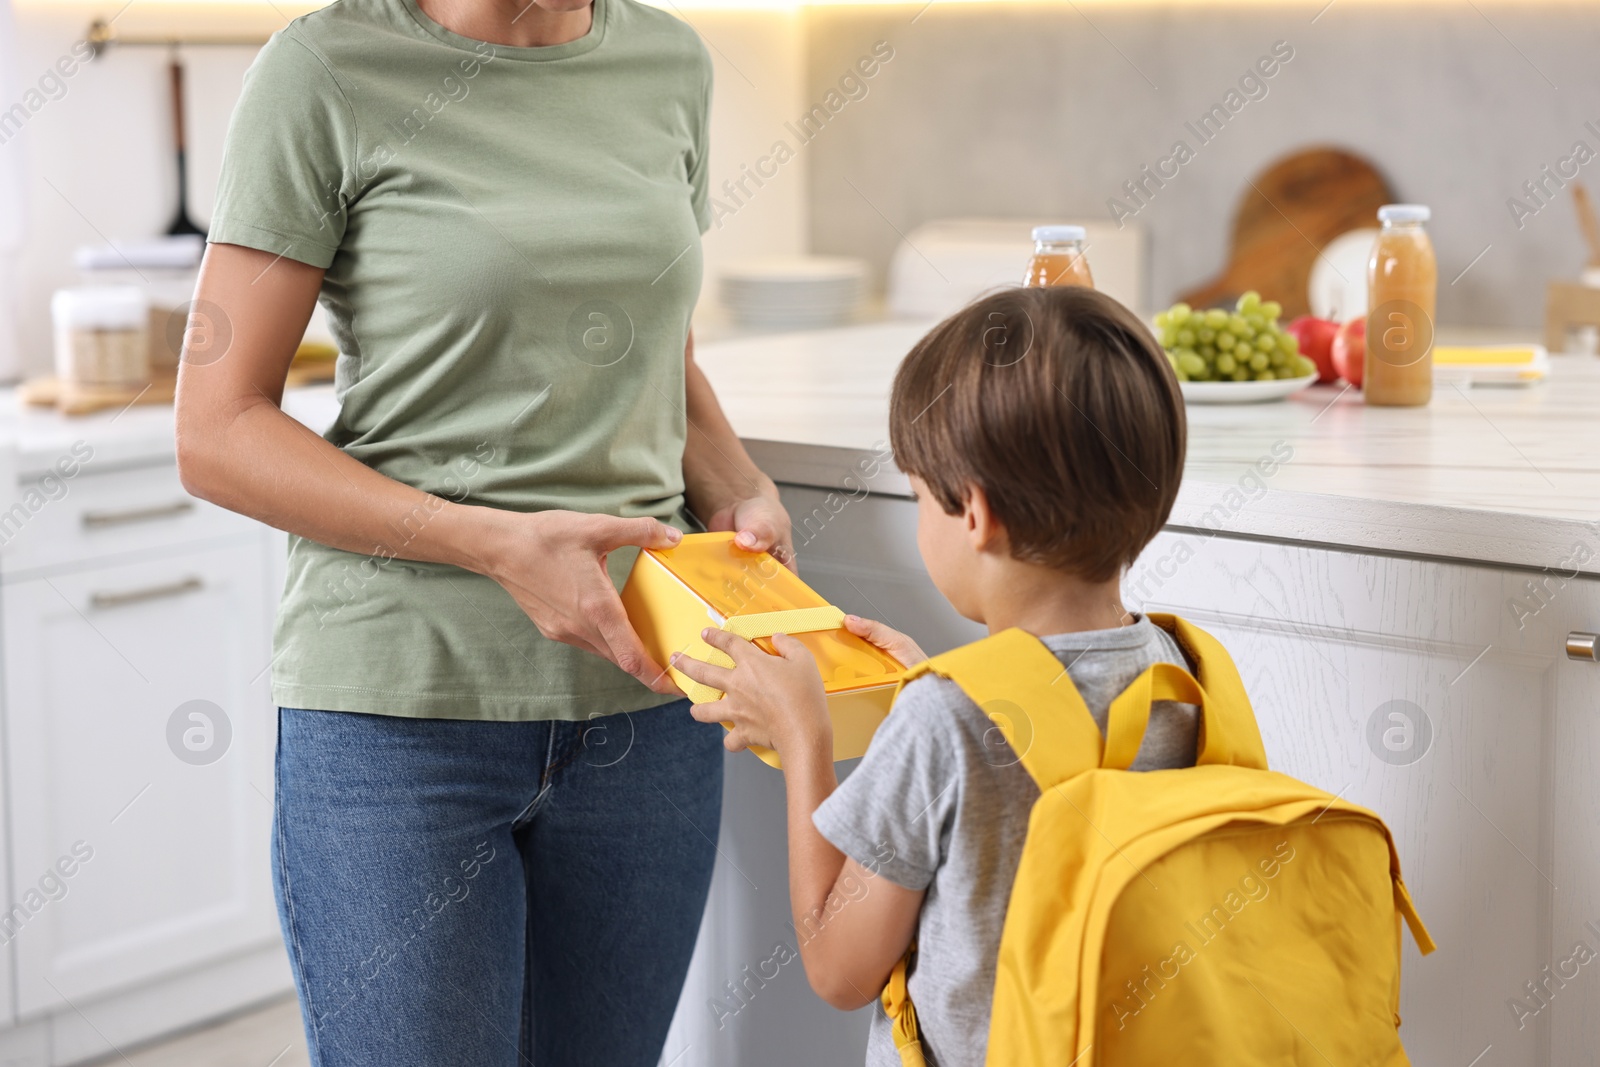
(706, 580)
(1491, 364)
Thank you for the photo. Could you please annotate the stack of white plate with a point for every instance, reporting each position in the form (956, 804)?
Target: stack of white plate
(794, 292)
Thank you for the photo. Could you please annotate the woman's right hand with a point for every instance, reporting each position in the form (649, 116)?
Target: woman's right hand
(906, 651)
(553, 563)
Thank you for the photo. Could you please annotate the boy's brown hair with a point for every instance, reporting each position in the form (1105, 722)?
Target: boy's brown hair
(1062, 407)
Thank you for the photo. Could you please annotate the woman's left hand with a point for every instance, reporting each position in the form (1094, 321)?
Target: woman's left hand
(762, 525)
(776, 702)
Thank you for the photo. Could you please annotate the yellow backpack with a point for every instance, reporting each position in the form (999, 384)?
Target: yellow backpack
(1219, 914)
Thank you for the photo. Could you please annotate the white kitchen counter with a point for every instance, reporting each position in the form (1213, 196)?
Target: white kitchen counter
(1495, 475)
(143, 434)
(1498, 475)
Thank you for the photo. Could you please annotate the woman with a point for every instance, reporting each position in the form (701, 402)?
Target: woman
(495, 817)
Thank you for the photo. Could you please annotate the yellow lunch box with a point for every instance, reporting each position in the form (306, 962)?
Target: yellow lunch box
(706, 580)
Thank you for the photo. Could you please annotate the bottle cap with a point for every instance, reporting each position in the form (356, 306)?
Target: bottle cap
(1404, 213)
(1058, 234)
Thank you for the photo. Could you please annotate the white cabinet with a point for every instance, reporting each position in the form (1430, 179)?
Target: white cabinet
(1413, 687)
(1408, 686)
(1572, 688)
(138, 750)
(106, 515)
(167, 822)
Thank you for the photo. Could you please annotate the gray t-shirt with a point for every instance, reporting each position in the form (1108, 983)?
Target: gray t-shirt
(943, 796)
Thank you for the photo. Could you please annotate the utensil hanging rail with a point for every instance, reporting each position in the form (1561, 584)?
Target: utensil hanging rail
(101, 37)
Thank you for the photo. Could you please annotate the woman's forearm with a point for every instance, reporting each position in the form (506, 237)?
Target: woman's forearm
(260, 462)
(723, 487)
(717, 471)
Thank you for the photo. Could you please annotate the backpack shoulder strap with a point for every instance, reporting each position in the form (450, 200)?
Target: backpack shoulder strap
(1025, 690)
(1228, 730)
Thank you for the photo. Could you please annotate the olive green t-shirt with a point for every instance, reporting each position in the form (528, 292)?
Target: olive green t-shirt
(512, 244)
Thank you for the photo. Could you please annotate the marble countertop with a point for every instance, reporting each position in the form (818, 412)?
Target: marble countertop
(1504, 476)
(1489, 474)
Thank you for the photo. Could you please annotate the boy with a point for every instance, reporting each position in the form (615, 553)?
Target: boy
(1043, 434)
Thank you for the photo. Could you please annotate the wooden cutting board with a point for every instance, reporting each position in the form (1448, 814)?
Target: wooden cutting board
(70, 399)
(1287, 214)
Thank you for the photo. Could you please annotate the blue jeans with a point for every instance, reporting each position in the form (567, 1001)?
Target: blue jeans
(486, 893)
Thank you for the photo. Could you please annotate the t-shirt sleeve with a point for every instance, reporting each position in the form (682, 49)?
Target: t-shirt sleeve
(700, 159)
(893, 814)
(288, 163)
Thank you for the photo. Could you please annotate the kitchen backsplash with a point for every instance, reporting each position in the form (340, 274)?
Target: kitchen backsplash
(1048, 111)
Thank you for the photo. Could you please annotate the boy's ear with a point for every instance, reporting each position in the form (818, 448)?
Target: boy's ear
(983, 530)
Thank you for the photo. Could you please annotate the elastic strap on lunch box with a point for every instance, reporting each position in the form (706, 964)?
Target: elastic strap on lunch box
(750, 627)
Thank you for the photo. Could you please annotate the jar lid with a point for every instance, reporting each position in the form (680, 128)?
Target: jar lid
(101, 307)
(1404, 213)
(1059, 234)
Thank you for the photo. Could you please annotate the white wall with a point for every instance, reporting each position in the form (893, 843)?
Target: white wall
(759, 79)
(1045, 110)
(98, 161)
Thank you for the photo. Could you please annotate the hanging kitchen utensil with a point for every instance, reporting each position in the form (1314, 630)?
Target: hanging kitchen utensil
(181, 222)
(1287, 214)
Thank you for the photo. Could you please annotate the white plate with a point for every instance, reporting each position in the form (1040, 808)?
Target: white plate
(1338, 288)
(1243, 392)
(796, 269)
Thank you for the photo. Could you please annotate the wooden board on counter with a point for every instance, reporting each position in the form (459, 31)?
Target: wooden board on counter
(70, 399)
(1568, 305)
(1286, 216)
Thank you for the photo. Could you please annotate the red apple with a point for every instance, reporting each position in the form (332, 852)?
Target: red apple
(1316, 344)
(1350, 350)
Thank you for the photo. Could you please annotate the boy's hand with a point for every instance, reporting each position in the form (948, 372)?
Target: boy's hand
(897, 644)
(776, 702)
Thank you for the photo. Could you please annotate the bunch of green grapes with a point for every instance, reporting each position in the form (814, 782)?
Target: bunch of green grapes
(1246, 345)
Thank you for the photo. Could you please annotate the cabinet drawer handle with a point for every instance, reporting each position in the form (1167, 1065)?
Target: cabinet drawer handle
(95, 519)
(1583, 646)
(101, 601)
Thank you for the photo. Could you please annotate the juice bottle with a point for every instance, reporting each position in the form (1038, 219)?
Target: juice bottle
(1058, 258)
(1402, 285)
